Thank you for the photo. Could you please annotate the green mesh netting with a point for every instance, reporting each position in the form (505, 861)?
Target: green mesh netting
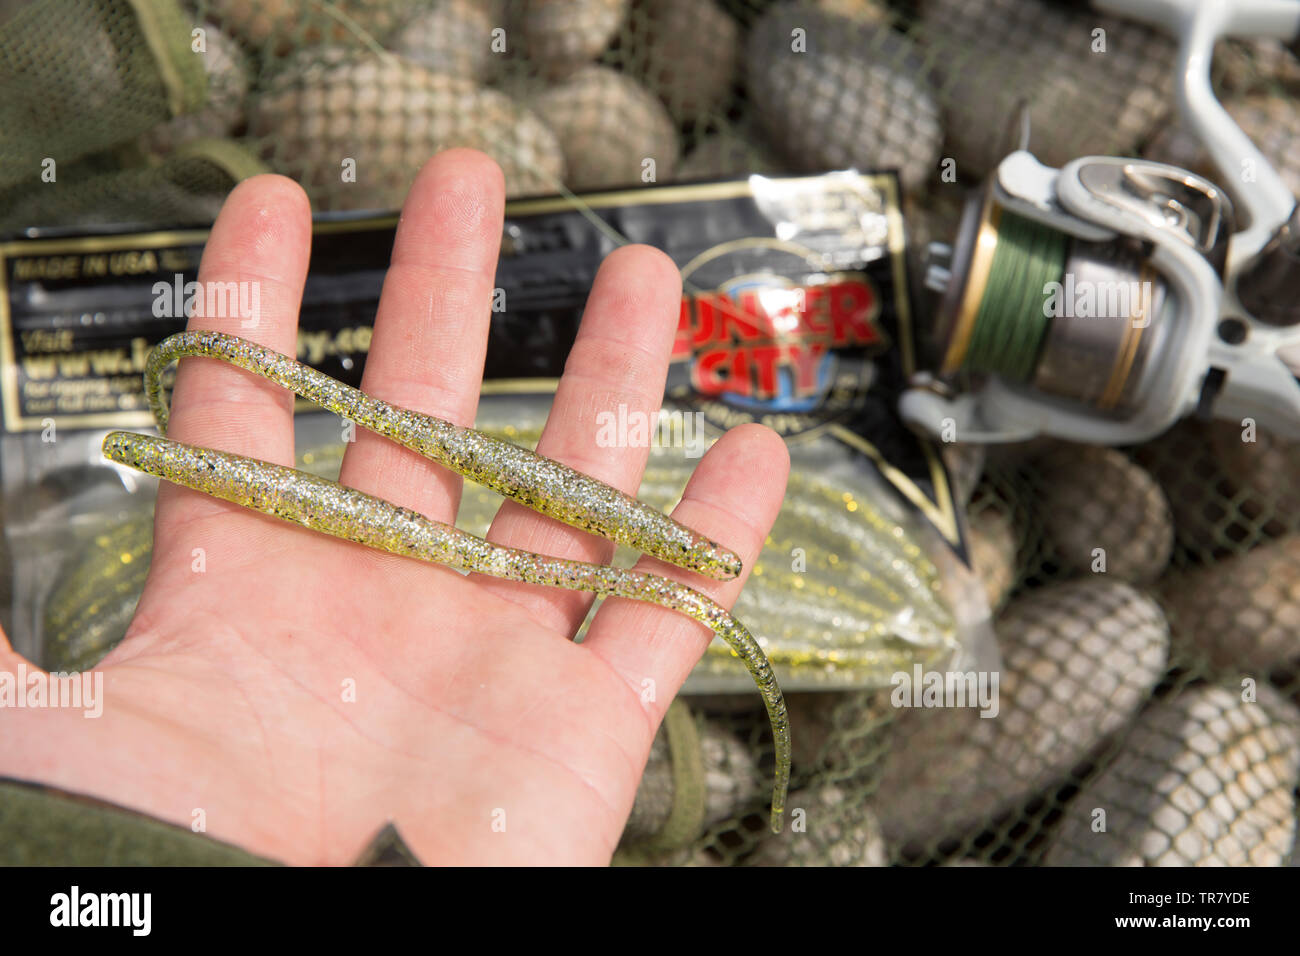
(1122, 691)
(80, 78)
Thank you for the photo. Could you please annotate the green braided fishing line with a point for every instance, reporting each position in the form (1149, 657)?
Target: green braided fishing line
(1010, 325)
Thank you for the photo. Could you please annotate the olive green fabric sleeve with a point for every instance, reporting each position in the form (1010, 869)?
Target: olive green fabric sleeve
(40, 826)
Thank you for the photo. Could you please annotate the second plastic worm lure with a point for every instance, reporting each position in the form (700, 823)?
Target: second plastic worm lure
(539, 483)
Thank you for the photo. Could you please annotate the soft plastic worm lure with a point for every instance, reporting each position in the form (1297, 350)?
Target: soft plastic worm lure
(539, 483)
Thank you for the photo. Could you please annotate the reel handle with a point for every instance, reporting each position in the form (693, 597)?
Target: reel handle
(1198, 24)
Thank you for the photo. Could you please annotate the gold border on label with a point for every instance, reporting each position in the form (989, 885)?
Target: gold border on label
(942, 510)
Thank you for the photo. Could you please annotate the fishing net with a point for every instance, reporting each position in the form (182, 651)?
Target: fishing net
(1142, 592)
(350, 96)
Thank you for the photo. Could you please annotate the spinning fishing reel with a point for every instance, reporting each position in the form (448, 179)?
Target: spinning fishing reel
(1103, 301)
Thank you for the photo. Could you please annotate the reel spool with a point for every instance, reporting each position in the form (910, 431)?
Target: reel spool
(1074, 319)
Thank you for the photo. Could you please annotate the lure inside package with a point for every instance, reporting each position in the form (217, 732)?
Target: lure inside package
(796, 313)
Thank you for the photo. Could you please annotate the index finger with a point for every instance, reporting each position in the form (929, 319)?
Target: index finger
(250, 284)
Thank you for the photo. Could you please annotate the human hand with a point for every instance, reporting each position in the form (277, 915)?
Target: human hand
(477, 726)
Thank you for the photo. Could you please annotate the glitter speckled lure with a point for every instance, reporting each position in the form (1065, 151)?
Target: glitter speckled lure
(539, 483)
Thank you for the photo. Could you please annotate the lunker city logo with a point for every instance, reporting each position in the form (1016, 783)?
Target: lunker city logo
(763, 346)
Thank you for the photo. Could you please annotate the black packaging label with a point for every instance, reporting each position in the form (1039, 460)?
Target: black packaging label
(795, 312)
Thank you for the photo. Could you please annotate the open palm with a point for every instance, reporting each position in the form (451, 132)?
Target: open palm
(302, 691)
